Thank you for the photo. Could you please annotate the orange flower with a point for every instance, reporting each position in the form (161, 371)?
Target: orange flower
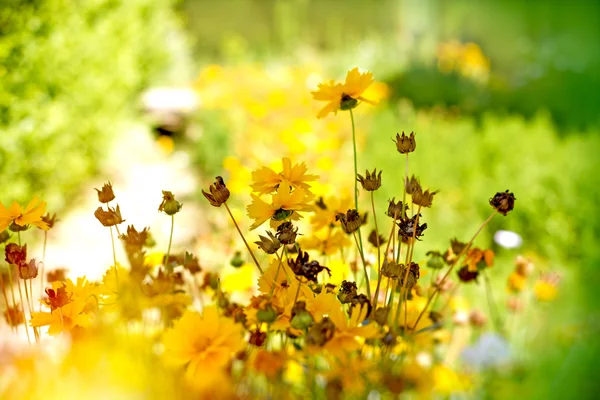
(282, 207)
(343, 96)
(32, 214)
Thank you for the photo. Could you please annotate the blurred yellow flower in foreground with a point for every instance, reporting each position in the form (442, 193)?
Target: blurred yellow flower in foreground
(545, 291)
(63, 319)
(266, 180)
(204, 343)
(32, 214)
(343, 96)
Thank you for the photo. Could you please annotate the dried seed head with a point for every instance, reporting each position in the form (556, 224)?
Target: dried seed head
(50, 220)
(106, 194)
(408, 228)
(169, 205)
(350, 221)
(134, 239)
(381, 314)
(376, 240)
(396, 210)
(14, 227)
(286, 233)
(423, 199)
(405, 144)
(109, 218)
(503, 202)
(14, 316)
(308, 269)
(413, 275)
(412, 185)
(371, 182)
(191, 263)
(218, 192)
(270, 244)
(347, 292)
(57, 298)
(391, 270)
(58, 275)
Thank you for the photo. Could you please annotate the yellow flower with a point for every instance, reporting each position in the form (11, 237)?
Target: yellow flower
(266, 180)
(446, 381)
(65, 318)
(343, 96)
(322, 305)
(204, 343)
(283, 204)
(545, 291)
(326, 216)
(32, 214)
(325, 242)
(347, 331)
(286, 285)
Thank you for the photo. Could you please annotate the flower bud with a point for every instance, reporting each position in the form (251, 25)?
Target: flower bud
(372, 181)
(267, 314)
(436, 260)
(467, 276)
(4, 236)
(503, 202)
(169, 205)
(218, 192)
(105, 195)
(28, 270)
(237, 261)
(347, 102)
(301, 318)
(405, 144)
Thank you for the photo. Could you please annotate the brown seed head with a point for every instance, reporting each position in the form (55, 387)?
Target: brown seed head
(270, 244)
(391, 270)
(169, 205)
(396, 210)
(218, 193)
(372, 181)
(413, 275)
(57, 298)
(14, 316)
(58, 275)
(405, 144)
(423, 198)
(376, 240)
(50, 220)
(109, 218)
(347, 292)
(106, 194)
(321, 332)
(503, 202)
(350, 221)
(133, 238)
(412, 185)
(286, 233)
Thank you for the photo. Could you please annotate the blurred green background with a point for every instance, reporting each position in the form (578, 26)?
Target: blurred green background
(502, 95)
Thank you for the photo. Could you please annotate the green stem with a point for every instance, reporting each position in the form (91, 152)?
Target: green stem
(492, 304)
(244, 239)
(362, 257)
(403, 203)
(170, 242)
(355, 174)
(112, 240)
(43, 267)
(276, 273)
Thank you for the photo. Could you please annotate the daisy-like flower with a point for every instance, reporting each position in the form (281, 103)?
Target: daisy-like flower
(32, 214)
(283, 205)
(347, 331)
(203, 343)
(343, 96)
(267, 181)
(64, 319)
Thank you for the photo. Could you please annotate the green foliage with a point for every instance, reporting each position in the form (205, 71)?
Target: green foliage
(70, 78)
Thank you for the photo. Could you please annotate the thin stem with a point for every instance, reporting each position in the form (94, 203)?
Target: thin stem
(170, 241)
(403, 202)
(409, 254)
(376, 230)
(43, 267)
(244, 239)
(12, 290)
(385, 254)
(297, 292)
(355, 175)
(364, 266)
(492, 304)
(112, 241)
(276, 273)
(24, 314)
(30, 305)
(464, 250)
(8, 314)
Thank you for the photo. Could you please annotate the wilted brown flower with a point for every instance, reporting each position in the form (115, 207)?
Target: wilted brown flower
(412, 185)
(286, 233)
(396, 210)
(347, 292)
(270, 244)
(58, 275)
(467, 276)
(14, 227)
(257, 338)
(111, 217)
(371, 182)
(503, 202)
(413, 275)
(49, 220)
(169, 205)
(376, 240)
(423, 199)
(405, 144)
(350, 221)
(308, 269)
(381, 314)
(15, 254)
(477, 259)
(409, 228)
(321, 332)
(390, 269)
(57, 298)
(134, 238)
(28, 270)
(218, 192)
(105, 195)
(191, 263)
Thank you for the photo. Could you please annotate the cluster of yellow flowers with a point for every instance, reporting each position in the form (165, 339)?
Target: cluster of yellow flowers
(466, 59)
(318, 326)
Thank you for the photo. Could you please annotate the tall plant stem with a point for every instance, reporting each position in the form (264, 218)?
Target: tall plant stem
(387, 248)
(409, 254)
(24, 314)
(170, 242)
(30, 306)
(403, 202)
(464, 250)
(364, 262)
(12, 291)
(6, 300)
(492, 304)
(377, 242)
(360, 248)
(276, 272)
(43, 268)
(112, 241)
(244, 239)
